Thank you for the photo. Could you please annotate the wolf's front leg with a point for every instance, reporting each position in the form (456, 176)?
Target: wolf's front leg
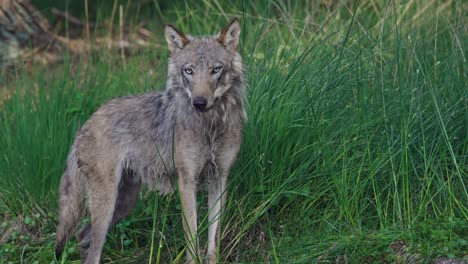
(225, 156)
(189, 164)
(216, 201)
(188, 196)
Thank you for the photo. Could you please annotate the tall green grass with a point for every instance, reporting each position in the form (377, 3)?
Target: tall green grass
(356, 136)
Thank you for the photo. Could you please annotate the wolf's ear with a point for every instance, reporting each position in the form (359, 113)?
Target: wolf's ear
(229, 37)
(176, 40)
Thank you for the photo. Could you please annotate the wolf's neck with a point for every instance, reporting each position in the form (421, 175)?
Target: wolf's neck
(227, 112)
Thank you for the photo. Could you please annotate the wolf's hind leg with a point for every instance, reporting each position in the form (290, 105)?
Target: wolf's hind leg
(84, 238)
(102, 197)
(129, 189)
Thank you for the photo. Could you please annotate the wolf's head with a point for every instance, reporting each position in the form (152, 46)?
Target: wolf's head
(204, 67)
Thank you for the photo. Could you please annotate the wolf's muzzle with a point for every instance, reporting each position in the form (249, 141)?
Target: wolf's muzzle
(199, 103)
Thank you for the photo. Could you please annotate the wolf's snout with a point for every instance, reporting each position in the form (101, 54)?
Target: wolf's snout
(199, 103)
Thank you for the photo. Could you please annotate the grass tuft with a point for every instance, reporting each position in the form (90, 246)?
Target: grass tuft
(355, 149)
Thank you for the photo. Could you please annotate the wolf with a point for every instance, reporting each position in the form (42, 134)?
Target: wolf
(168, 140)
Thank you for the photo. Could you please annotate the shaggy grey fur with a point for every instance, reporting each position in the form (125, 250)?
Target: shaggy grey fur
(150, 138)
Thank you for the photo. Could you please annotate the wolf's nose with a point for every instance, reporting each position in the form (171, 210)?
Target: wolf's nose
(199, 103)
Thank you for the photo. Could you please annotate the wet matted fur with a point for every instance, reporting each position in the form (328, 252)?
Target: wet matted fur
(191, 129)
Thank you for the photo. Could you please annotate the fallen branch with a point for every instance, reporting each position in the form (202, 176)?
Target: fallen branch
(68, 18)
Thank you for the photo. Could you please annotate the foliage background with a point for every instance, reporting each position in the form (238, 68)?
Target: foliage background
(355, 150)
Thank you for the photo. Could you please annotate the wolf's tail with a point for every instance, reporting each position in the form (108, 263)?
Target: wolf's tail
(71, 203)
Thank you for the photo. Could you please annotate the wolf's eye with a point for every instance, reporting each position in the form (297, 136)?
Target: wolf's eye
(216, 69)
(188, 71)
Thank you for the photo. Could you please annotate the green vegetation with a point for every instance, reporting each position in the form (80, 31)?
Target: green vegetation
(356, 147)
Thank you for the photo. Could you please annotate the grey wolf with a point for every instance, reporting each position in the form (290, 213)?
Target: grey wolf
(189, 131)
